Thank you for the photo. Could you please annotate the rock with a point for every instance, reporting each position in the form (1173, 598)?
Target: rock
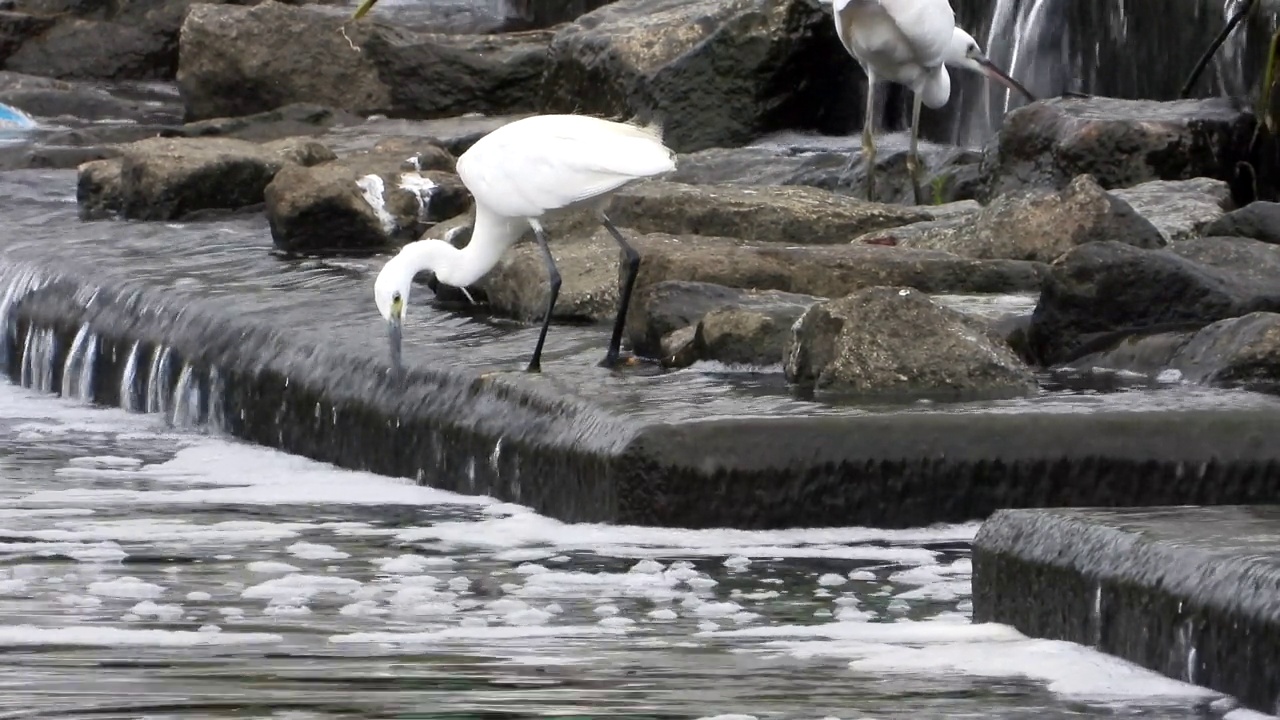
(48, 98)
(715, 73)
(895, 341)
(749, 335)
(793, 215)
(99, 193)
(300, 151)
(16, 28)
(665, 307)
(589, 262)
(240, 60)
(1036, 225)
(1120, 142)
(1239, 352)
(100, 50)
(834, 270)
(363, 203)
(1180, 209)
(455, 134)
(285, 122)
(1099, 292)
(171, 178)
(1242, 352)
(951, 172)
(1258, 220)
(679, 348)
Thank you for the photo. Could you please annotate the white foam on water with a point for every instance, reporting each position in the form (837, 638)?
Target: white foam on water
(126, 587)
(271, 567)
(100, 636)
(226, 472)
(522, 528)
(316, 551)
(495, 633)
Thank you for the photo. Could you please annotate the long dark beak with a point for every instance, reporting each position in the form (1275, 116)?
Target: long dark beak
(990, 70)
(394, 335)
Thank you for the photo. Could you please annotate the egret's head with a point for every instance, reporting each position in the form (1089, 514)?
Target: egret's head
(964, 52)
(391, 293)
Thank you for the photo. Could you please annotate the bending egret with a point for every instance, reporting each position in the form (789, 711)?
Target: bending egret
(909, 42)
(519, 173)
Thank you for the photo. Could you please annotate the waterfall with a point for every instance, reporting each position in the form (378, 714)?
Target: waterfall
(129, 380)
(77, 371)
(1118, 48)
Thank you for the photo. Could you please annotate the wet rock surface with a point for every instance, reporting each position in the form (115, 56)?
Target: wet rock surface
(1038, 225)
(897, 342)
(792, 215)
(1180, 209)
(1257, 220)
(1187, 592)
(229, 65)
(1120, 142)
(166, 179)
(1098, 289)
(715, 74)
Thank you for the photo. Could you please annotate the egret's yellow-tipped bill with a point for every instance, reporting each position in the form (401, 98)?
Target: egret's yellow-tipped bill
(365, 7)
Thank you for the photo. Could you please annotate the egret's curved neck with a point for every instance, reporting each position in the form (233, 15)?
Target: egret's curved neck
(490, 238)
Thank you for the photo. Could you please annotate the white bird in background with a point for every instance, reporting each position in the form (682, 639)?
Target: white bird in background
(519, 174)
(909, 42)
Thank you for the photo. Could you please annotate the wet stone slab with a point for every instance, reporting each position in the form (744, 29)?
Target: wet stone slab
(1191, 592)
(199, 320)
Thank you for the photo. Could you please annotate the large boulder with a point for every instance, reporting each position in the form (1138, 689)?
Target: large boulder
(1258, 220)
(897, 342)
(1237, 352)
(1037, 225)
(1120, 142)
(793, 215)
(1180, 209)
(238, 60)
(101, 50)
(175, 178)
(716, 73)
(1099, 292)
(364, 202)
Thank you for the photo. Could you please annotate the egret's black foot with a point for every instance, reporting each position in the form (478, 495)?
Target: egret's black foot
(534, 368)
(1074, 94)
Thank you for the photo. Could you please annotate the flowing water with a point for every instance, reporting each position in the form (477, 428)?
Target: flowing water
(147, 571)
(152, 567)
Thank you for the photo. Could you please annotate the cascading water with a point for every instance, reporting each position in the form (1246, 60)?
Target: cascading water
(145, 384)
(129, 380)
(1117, 49)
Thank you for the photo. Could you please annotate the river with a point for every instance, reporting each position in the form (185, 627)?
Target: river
(151, 572)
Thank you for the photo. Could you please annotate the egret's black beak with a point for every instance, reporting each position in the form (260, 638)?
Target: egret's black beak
(990, 70)
(394, 336)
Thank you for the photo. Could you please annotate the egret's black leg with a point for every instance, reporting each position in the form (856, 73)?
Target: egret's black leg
(632, 261)
(553, 277)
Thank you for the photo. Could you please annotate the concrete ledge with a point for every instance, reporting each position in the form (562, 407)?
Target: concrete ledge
(584, 446)
(1190, 592)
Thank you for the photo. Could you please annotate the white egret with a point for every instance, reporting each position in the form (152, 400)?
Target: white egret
(518, 175)
(909, 42)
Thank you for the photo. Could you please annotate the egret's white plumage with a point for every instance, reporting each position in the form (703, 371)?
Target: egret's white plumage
(518, 174)
(910, 42)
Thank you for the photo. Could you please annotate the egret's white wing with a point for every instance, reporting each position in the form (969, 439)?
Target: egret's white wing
(549, 162)
(926, 24)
